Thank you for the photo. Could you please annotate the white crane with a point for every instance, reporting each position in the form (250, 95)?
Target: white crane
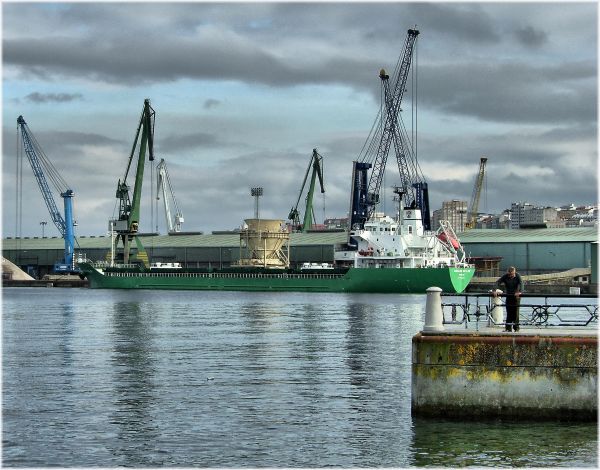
(474, 204)
(164, 186)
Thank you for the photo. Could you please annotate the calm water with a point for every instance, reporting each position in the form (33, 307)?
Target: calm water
(219, 379)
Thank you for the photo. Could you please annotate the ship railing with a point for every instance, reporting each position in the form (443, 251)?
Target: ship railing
(535, 310)
(107, 264)
(222, 275)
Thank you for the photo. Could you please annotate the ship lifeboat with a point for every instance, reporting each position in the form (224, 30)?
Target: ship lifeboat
(451, 240)
(367, 252)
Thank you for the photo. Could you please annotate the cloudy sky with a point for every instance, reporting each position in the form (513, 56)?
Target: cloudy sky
(244, 91)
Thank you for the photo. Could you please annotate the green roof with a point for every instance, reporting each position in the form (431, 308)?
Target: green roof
(168, 241)
(547, 235)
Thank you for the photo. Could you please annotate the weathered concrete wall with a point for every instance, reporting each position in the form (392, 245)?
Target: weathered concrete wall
(510, 376)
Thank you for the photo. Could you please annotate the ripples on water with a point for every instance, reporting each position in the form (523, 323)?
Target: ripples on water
(224, 379)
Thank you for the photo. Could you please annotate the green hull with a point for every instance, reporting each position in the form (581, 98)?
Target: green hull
(369, 280)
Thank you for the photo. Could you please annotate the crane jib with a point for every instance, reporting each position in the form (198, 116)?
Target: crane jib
(364, 200)
(65, 225)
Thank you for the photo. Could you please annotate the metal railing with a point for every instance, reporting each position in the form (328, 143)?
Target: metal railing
(535, 310)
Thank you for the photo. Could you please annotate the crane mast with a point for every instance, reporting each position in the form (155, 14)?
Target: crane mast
(474, 203)
(41, 166)
(316, 163)
(163, 185)
(365, 190)
(127, 225)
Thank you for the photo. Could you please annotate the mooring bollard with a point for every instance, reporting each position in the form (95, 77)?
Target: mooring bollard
(434, 316)
(496, 312)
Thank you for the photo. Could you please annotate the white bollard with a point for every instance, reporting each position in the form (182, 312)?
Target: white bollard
(496, 312)
(434, 316)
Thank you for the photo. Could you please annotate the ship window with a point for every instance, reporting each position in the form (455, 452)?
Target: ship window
(410, 229)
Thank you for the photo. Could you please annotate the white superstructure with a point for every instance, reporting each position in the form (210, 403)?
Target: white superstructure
(402, 243)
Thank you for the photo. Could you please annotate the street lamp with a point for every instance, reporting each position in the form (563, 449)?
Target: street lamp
(256, 193)
(43, 224)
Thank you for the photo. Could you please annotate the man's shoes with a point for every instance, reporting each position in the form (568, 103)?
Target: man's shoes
(516, 329)
(508, 329)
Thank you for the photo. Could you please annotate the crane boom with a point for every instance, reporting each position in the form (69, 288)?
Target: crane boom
(365, 197)
(316, 163)
(474, 203)
(391, 129)
(65, 225)
(127, 224)
(163, 185)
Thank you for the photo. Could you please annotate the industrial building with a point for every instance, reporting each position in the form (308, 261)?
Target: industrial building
(535, 251)
(532, 251)
(36, 255)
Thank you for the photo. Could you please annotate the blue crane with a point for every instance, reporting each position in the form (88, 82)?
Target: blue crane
(43, 169)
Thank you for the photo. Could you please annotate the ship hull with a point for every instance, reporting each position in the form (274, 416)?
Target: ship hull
(367, 280)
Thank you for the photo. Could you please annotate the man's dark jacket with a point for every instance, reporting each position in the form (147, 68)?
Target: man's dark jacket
(513, 284)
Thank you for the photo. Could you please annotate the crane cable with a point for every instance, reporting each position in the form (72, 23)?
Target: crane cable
(19, 197)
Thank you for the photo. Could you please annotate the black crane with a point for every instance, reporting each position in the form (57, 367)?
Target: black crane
(388, 129)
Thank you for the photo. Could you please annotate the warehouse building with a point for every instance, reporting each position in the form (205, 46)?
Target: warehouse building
(533, 251)
(36, 256)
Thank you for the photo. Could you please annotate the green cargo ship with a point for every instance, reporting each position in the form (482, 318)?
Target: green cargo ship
(389, 257)
(349, 279)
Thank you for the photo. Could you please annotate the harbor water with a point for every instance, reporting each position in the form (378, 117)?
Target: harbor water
(226, 379)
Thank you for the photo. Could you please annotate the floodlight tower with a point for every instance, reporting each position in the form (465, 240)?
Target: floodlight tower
(256, 193)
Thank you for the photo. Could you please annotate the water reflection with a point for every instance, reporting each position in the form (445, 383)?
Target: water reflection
(356, 344)
(236, 380)
(66, 338)
(133, 368)
(503, 443)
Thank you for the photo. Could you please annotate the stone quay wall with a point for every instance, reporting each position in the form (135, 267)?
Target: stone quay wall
(517, 376)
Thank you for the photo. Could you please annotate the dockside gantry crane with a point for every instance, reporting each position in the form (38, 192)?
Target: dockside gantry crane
(127, 225)
(42, 169)
(316, 163)
(389, 129)
(163, 185)
(474, 203)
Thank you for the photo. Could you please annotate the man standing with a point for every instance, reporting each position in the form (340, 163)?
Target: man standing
(514, 286)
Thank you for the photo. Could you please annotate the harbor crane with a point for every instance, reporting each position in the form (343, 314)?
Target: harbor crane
(127, 225)
(42, 169)
(163, 185)
(316, 163)
(389, 129)
(474, 203)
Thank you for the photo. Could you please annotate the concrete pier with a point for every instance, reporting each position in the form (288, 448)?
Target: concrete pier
(539, 373)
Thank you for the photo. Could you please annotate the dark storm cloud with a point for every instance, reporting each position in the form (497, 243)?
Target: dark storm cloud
(57, 142)
(513, 92)
(459, 21)
(527, 148)
(211, 103)
(37, 97)
(529, 36)
(236, 43)
(181, 142)
(130, 60)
